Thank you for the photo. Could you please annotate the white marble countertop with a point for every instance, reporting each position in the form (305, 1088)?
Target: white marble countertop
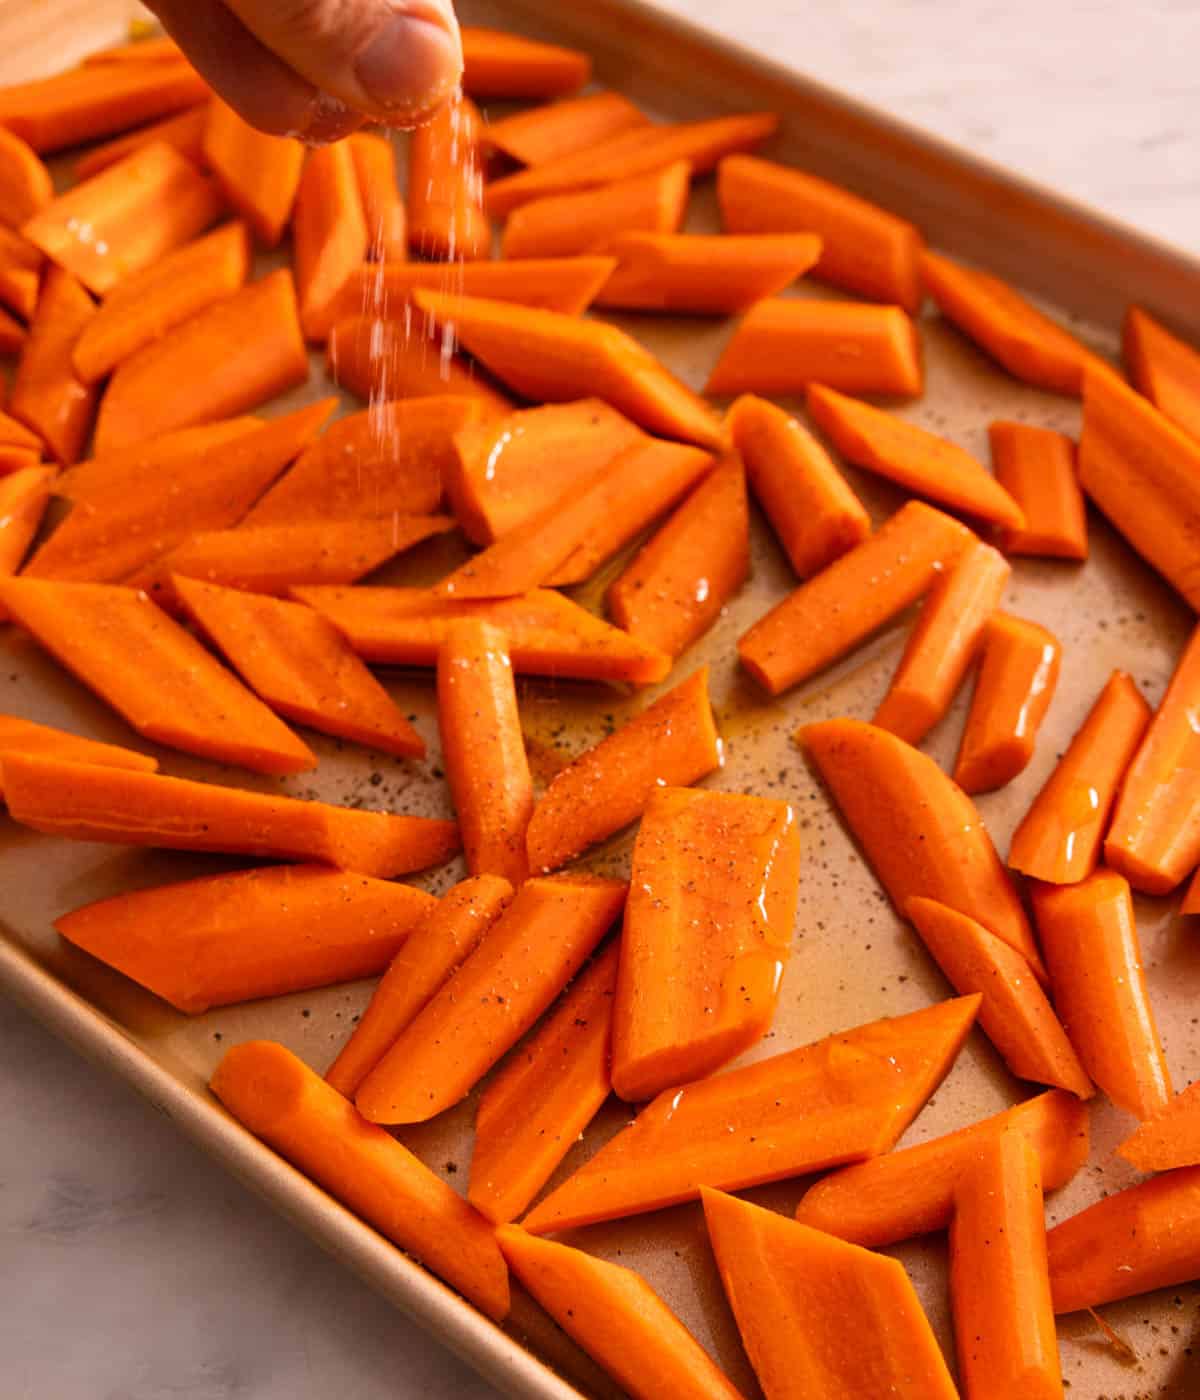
(132, 1268)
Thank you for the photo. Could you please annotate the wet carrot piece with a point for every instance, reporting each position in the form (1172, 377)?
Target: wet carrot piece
(383, 208)
(839, 608)
(445, 185)
(1016, 683)
(279, 1099)
(1091, 946)
(258, 933)
(1164, 368)
(258, 174)
(1170, 1137)
(46, 394)
(24, 496)
(25, 184)
(527, 957)
(544, 133)
(184, 132)
(841, 1099)
(1059, 838)
(793, 1291)
(447, 935)
(498, 65)
(12, 336)
(24, 737)
(903, 1194)
(1037, 468)
(329, 235)
(617, 1318)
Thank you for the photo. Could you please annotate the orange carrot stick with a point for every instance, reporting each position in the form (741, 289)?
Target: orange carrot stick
(82, 802)
(496, 995)
(17, 436)
(904, 1194)
(1091, 945)
(445, 186)
(999, 1279)
(25, 184)
(1164, 368)
(921, 833)
(793, 1291)
(15, 459)
(383, 208)
(1016, 683)
(329, 234)
(184, 132)
(783, 345)
(443, 940)
(12, 337)
(943, 643)
(1037, 468)
(20, 268)
(535, 1110)
(499, 65)
(148, 304)
(544, 133)
(680, 582)
(917, 460)
(279, 1099)
(259, 174)
(840, 607)
(1059, 838)
(863, 248)
(814, 513)
(24, 737)
(1170, 1137)
(159, 49)
(483, 748)
(233, 356)
(258, 933)
(46, 394)
(1014, 1014)
(1191, 901)
(24, 496)
(841, 1099)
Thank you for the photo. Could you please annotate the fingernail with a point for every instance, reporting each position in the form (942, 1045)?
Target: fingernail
(410, 65)
(331, 120)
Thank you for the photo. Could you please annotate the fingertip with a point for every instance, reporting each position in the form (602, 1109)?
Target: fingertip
(410, 67)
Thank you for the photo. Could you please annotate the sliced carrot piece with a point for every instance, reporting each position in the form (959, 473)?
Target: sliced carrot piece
(46, 394)
(148, 304)
(919, 461)
(15, 459)
(903, 1194)
(1037, 468)
(158, 49)
(1170, 1137)
(24, 496)
(943, 643)
(445, 185)
(24, 737)
(25, 184)
(483, 748)
(259, 174)
(329, 234)
(184, 132)
(863, 248)
(840, 607)
(921, 833)
(233, 356)
(383, 208)
(20, 273)
(12, 335)
(999, 1279)
(17, 436)
(279, 1099)
(81, 802)
(583, 221)
(617, 1318)
(535, 1110)
(258, 933)
(1191, 901)
(497, 64)
(447, 935)
(300, 665)
(793, 1290)
(841, 1099)
(562, 128)
(528, 956)
(1059, 838)
(1016, 683)
(782, 345)
(680, 582)
(1164, 368)
(1091, 945)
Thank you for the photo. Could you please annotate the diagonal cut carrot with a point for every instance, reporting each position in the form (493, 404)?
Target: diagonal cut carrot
(383, 208)
(12, 335)
(16, 435)
(446, 220)
(329, 234)
(23, 737)
(498, 65)
(184, 132)
(540, 134)
(159, 49)
(46, 394)
(1037, 468)
(1164, 368)
(25, 184)
(259, 174)
(24, 496)
(1170, 1137)
(20, 273)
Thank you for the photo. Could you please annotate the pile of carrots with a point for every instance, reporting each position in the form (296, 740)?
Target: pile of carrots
(200, 570)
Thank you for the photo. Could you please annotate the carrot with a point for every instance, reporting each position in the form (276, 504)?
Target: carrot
(259, 174)
(496, 995)
(1014, 1014)
(24, 737)
(783, 345)
(921, 833)
(25, 184)
(24, 496)
(15, 459)
(540, 134)
(279, 1099)
(583, 221)
(446, 220)
(702, 144)
(863, 248)
(535, 1110)
(46, 394)
(943, 643)
(547, 633)
(1191, 901)
(690, 273)
(148, 304)
(159, 49)
(126, 218)
(1091, 946)
(329, 234)
(17, 436)
(903, 1194)
(1164, 368)
(1060, 836)
(258, 933)
(1037, 468)
(840, 607)
(12, 335)
(483, 748)
(1016, 683)
(919, 461)
(821, 1318)
(550, 357)
(999, 1279)
(299, 664)
(1143, 473)
(680, 582)
(383, 208)
(498, 65)
(233, 356)
(841, 1099)
(184, 132)
(1170, 1137)
(617, 1318)
(20, 268)
(81, 802)
(444, 938)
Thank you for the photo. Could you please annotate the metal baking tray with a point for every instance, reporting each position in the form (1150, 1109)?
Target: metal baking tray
(853, 960)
